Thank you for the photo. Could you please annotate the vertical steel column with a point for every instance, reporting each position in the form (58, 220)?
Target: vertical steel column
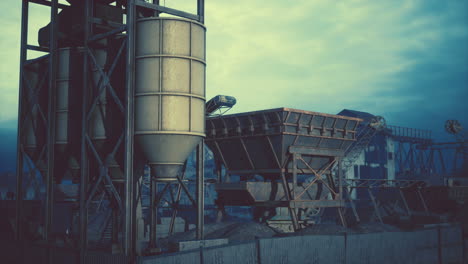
(19, 153)
(83, 225)
(200, 189)
(287, 192)
(129, 107)
(51, 124)
(201, 11)
(294, 164)
(153, 212)
(340, 191)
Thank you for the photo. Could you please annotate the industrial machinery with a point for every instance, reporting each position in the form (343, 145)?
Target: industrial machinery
(110, 96)
(219, 105)
(283, 158)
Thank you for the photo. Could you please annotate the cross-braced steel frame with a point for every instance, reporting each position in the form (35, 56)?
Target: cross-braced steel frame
(296, 195)
(96, 180)
(352, 185)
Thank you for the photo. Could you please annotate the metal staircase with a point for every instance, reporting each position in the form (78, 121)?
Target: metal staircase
(364, 137)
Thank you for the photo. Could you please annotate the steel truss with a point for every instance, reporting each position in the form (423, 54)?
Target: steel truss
(351, 185)
(96, 179)
(296, 196)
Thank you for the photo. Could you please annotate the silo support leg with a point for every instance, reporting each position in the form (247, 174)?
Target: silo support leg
(292, 212)
(200, 189)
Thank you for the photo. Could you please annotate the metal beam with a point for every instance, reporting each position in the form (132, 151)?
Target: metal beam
(200, 189)
(51, 124)
(19, 153)
(316, 203)
(129, 237)
(166, 10)
(47, 3)
(37, 48)
(153, 212)
(201, 11)
(83, 223)
(316, 151)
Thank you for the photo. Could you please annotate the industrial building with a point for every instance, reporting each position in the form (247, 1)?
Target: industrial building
(122, 159)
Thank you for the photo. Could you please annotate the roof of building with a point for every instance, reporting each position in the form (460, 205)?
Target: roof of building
(358, 114)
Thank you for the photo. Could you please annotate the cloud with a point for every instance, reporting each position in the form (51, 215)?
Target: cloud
(10, 17)
(377, 56)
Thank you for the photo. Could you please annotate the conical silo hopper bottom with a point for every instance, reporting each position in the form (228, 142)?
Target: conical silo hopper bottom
(165, 172)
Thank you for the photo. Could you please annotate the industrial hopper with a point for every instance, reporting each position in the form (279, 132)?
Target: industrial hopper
(294, 148)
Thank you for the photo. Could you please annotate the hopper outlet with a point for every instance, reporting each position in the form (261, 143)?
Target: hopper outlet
(169, 92)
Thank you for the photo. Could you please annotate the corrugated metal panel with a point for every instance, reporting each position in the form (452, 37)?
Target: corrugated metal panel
(303, 249)
(425, 244)
(451, 244)
(235, 254)
(192, 257)
(382, 248)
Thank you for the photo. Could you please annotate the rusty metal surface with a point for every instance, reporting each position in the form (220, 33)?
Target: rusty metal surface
(267, 194)
(258, 141)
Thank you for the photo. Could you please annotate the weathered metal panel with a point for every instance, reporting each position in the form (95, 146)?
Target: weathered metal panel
(451, 243)
(393, 247)
(303, 249)
(259, 142)
(379, 248)
(233, 254)
(192, 257)
(424, 246)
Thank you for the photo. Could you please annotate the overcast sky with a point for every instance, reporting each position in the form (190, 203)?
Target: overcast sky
(406, 60)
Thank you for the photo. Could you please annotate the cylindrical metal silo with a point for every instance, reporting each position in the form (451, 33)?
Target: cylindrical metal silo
(32, 76)
(36, 97)
(170, 92)
(68, 107)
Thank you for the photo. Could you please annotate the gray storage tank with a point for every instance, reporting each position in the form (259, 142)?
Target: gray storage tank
(170, 92)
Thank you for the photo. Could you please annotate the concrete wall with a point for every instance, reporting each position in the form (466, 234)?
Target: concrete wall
(429, 246)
